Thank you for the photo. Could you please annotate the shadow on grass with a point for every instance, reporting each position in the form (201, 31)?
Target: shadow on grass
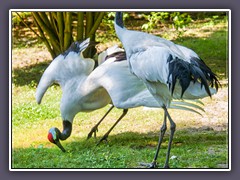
(29, 75)
(150, 139)
(126, 150)
(212, 50)
(23, 37)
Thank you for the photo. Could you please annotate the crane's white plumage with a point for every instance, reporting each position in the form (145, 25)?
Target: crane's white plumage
(85, 89)
(168, 70)
(162, 64)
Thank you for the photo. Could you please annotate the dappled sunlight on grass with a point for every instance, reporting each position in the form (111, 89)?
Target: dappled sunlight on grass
(199, 142)
(133, 140)
(126, 150)
(205, 30)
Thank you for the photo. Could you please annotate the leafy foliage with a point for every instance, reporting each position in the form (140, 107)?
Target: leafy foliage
(57, 29)
(153, 19)
(16, 19)
(178, 20)
(108, 21)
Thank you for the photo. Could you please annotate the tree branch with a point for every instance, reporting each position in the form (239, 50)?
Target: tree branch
(45, 19)
(96, 24)
(28, 26)
(80, 26)
(52, 36)
(68, 30)
(60, 23)
(44, 39)
(53, 22)
(89, 22)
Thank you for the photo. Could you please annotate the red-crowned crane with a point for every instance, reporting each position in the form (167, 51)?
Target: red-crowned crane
(168, 71)
(117, 56)
(85, 89)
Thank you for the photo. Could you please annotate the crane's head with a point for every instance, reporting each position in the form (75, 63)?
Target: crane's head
(54, 134)
(65, 67)
(54, 137)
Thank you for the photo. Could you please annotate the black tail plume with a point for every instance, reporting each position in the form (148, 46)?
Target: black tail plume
(195, 71)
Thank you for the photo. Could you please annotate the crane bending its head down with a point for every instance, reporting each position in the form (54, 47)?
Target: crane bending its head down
(67, 69)
(85, 89)
(167, 69)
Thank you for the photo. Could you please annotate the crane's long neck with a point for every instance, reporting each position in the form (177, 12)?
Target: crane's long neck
(119, 19)
(119, 25)
(67, 130)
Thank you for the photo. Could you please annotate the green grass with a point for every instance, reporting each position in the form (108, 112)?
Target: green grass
(126, 154)
(133, 141)
(211, 49)
(199, 142)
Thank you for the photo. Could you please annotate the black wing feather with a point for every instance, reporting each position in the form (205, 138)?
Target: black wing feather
(195, 71)
(120, 56)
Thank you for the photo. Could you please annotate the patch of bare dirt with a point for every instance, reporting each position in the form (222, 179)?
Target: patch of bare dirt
(29, 56)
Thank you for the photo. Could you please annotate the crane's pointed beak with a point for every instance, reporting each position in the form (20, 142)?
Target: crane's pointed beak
(60, 146)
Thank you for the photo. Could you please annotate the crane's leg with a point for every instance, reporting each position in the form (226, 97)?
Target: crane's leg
(95, 128)
(162, 132)
(108, 132)
(172, 130)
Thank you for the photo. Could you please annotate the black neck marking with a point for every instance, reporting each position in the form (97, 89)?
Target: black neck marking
(67, 130)
(119, 19)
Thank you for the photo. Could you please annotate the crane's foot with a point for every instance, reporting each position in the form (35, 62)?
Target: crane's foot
(94, 131)
(104, 138)
(149, 165)
(152, 165)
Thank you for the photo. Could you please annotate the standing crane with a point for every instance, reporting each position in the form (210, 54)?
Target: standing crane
(168, 70)
(115, 54)
(85, 89)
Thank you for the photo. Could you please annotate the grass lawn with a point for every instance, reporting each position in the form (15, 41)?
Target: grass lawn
(199, 142)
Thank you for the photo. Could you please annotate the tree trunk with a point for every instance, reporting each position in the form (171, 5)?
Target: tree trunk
(56, 30)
